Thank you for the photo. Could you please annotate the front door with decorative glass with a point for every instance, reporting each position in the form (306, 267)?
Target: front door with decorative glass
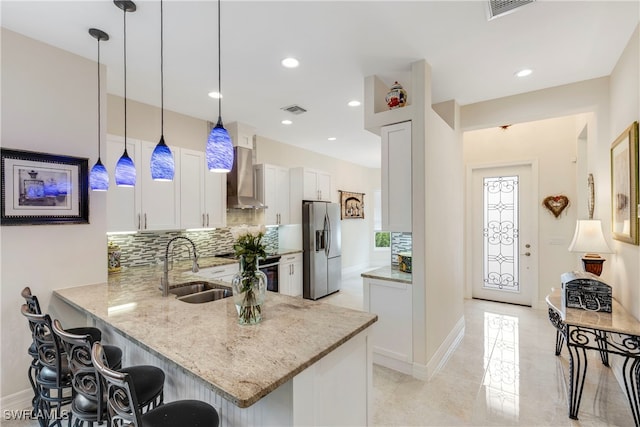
(503, 259)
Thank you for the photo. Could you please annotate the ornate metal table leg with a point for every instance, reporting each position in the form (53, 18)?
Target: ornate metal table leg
(631, 372)
(577, 372)
(559, 342)
(601, 338)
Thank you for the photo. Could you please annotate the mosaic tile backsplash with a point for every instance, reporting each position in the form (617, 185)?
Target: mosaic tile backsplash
(400, 242)
(148, 248)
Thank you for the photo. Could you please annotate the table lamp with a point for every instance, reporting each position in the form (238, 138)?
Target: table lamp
(589, 238)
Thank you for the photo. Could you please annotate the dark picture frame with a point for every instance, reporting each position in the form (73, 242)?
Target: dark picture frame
(624, 186)
(351, 205)
(39, 188)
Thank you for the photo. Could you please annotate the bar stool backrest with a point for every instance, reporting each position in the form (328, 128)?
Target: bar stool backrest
(122, 402)
(86, 380)
(50, 352)
(31, 301)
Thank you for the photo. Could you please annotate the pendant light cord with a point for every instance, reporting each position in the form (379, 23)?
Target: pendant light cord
(161, 71)
(99, 114)
(125, 80)
(219, 72)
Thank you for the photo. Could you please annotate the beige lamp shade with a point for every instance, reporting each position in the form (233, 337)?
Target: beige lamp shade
(589, 238)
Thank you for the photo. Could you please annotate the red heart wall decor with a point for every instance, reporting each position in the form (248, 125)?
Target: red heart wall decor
(556, 204)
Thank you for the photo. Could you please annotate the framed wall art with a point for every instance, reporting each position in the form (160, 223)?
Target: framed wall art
(351, 205)
(624, 186)
(40, 188)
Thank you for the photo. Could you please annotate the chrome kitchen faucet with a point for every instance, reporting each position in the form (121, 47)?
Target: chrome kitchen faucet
(164, 281)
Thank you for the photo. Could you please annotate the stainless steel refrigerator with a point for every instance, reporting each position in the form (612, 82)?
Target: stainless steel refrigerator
(322, 259)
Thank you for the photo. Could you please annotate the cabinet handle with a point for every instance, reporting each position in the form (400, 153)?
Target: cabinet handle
(207, 219)
(291, 269)
(138, 221)
(203, 223)
(145, 220)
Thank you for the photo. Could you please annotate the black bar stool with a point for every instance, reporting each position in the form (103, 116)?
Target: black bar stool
(122, 403)
(114, 354)
(88, 405)
(53, 378)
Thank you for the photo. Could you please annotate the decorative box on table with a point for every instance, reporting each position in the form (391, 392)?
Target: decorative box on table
(586, 291)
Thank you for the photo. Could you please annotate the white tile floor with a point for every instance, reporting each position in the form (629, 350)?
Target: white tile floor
(503, 373)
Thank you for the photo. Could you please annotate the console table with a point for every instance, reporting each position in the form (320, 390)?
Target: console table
(608, 333)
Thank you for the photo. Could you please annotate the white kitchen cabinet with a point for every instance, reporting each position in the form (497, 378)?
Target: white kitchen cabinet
(150, 205)
(396, 177)
(307, 184)
(203, 199)
(222, 272)
(290, 275)
(392, 334)
(272, 189)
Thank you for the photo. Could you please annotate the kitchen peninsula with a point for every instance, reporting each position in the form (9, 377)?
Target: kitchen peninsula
(283, 371)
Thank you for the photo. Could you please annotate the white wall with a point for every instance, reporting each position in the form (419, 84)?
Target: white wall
(49, 105)
(357, 234)
(625, 108)
(552, 143)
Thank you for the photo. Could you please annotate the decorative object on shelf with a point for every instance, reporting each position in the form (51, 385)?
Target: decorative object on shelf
(113, 258)
(99, 177)
(585, 291)
(162, 163)
(624, 186)
(40, 188)
(397, 96)
(125, 169)
(588, 238)
(556, 204)
(404, 262)
(351, 205)
(249, 284)
(219, 146)
(591, 196)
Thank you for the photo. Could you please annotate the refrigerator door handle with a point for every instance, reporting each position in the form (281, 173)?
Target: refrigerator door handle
(327, 233)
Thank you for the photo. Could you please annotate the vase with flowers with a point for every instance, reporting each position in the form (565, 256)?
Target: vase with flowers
(249, 284)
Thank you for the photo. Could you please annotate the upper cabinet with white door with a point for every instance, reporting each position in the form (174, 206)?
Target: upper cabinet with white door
(272, 189)
(202, 193)
(396, 177)
(150, 205)
(307, 184)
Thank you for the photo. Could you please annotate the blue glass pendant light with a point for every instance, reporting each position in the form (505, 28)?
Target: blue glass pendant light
(219, 145)
(162, 163)
(98, 177)
(125, 169)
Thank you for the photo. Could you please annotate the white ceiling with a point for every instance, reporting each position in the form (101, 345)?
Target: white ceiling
(338, 43)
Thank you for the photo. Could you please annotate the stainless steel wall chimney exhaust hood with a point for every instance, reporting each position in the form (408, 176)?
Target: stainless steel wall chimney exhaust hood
(240, 189)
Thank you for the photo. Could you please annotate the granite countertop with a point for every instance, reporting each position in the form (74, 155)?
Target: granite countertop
(388, 273)
(242, 363)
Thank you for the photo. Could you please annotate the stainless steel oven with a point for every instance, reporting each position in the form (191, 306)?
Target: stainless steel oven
(269, 266)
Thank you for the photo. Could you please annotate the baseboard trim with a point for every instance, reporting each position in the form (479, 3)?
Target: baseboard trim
(392, 363)
(446, 349)
(17, 401)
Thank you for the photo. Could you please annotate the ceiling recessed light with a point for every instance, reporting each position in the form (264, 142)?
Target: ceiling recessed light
(215, 95)
(354, 103)
(290, 62)
(524, 73)
(332, 138)
(286, 122)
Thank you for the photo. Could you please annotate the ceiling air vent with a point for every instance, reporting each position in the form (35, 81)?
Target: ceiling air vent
(294, 109)
(502, 7)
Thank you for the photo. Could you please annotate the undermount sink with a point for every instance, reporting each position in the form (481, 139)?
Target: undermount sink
(197, 292)
(207, 296)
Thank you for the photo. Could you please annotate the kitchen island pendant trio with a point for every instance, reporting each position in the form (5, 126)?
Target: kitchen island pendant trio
(219, 146)
(162, 163)
(125, 169)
